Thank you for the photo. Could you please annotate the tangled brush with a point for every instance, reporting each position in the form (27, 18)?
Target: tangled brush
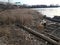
(10, 17)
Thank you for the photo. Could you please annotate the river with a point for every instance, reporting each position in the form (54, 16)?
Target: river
(50, 12)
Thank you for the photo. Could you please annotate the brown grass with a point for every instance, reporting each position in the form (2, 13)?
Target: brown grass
(13, 34)
(13, 16)
(25, 19)
(40, 27)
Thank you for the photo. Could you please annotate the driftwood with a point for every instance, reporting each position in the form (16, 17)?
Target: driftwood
(40, 35)
(52, 36)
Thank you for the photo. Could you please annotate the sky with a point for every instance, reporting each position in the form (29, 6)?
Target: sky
(35, 2)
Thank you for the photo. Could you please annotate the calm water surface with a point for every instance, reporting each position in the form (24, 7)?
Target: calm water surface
(50, 12)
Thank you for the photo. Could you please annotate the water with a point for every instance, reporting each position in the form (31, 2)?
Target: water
(50, 12)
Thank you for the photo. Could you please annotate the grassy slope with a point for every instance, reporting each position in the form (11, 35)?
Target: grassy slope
(11, 34)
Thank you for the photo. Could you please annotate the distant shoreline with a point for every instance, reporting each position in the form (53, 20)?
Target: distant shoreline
(42, 7)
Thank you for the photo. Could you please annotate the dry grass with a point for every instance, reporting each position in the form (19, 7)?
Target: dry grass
(24, 19)
(21, 16)
(40, 27)
(13, 16)
(13, 35)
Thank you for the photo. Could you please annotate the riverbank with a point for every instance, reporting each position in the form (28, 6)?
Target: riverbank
(11, 32)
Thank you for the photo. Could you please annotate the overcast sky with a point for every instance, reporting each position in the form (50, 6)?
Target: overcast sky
(34, 2)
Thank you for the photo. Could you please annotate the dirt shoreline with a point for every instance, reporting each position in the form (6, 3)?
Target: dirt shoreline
(11, 34)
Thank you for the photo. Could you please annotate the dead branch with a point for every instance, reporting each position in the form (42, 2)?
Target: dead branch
(39, 35)
(52, 36)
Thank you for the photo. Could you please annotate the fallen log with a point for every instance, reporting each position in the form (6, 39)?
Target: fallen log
(40, 35)
(52, 36)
